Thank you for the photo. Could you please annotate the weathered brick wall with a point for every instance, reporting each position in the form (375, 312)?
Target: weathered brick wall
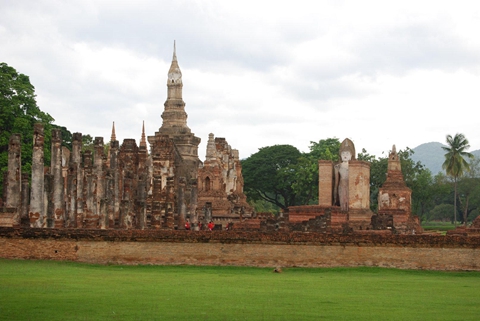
(453, 252)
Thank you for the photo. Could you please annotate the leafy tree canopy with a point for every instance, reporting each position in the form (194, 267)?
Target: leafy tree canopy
(442, 212)
(18, 113)
(270, 173)
(325, 149)
(469, 190)
(455, 164)
(306, 170)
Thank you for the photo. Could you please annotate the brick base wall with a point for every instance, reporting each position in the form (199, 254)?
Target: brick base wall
(243, 249)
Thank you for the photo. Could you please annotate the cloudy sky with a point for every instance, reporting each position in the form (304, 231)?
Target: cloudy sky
(258, 73)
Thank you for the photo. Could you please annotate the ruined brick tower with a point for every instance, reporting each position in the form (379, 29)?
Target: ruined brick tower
(395, 200)
(220, 185)
(175, 119)
(176, 136)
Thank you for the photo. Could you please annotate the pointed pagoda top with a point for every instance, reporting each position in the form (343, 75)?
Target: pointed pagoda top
(113, 137)
(143, 141)
(393, 154)
(394, 149)
(394, 162)
(174, 74)
(174, 51)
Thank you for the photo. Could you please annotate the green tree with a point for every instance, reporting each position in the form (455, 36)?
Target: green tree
(469, 190)
(262, 206)
(325, 149)
(67, 136)
(440, 192)
(441, 212)
(87, 143)
(365, 156)
(306, 170)
(270, 173)
(419, 179)
(422, 193)
(18, 113)
(455, 164)
(442, 189)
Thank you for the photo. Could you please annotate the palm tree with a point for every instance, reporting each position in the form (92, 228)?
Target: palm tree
(455, 164)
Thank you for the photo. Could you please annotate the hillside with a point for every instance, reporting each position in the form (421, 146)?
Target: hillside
(432, 156)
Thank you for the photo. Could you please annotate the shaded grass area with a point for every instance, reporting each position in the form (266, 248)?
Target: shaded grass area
(47, 290)
(438, 226)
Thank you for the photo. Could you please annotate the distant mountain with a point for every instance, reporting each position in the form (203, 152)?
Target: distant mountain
(432, 156)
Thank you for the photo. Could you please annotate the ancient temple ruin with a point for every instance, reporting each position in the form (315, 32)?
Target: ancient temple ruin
(344, 199)
(165, 186)
(129, 186)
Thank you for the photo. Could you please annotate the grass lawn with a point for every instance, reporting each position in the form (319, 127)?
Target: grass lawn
(439, 227)
(48, 290)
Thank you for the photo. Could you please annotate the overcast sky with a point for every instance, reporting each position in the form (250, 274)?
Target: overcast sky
(258, 73)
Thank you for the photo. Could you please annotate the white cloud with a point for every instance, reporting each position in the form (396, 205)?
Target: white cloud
(255, 72)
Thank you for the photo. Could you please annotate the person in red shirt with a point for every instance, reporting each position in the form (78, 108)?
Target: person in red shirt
(187, 225)
(211, 225)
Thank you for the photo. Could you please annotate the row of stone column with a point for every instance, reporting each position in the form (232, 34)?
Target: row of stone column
(93, 195)
(16, 186)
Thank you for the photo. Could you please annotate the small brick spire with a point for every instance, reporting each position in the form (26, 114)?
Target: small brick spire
(143, 141)
(113, 138)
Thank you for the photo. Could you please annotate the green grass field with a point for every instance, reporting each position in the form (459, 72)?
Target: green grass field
(439, 226)
(47, 290)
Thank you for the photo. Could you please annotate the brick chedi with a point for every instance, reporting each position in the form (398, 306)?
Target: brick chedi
(180, 171)
(395, 201)
(394, 193)
(220, 185)
(175, 123)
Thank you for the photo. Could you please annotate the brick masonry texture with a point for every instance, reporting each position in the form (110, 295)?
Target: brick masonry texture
(430, 252)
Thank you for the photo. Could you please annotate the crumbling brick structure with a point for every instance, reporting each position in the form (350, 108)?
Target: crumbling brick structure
(126, 187)
(220, 185)
(394, 200)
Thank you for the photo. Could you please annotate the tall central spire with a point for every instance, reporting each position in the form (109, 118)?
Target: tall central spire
(175, 127)
(174, 115)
